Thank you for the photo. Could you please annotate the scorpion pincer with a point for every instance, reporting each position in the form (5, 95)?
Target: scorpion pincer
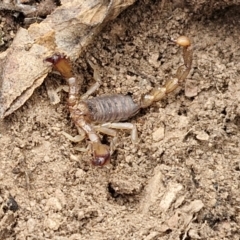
(113, 108)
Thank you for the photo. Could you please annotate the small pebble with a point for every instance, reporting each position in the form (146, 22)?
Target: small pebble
(31, 223)
(158, 135)
(203, 136)
(52, 224)
(53, 203)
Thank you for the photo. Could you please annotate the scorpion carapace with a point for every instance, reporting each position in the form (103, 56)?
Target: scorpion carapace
(112, 109)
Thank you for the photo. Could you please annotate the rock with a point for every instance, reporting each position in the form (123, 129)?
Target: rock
(158, 134)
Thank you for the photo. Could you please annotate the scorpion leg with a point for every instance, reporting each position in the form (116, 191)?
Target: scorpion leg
(106, 128)
(75, 139)
(96, 85)
(124, 125)
(110, 132)
(171, 84)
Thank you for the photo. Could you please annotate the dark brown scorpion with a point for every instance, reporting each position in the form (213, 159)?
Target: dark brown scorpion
(112, 109)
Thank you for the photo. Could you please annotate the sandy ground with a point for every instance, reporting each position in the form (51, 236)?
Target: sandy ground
(181, 181)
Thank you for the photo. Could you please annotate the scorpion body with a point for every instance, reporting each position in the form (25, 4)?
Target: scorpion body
(116, 107)
(111, 108)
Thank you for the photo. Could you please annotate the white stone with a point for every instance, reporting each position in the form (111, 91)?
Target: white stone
(53, 203)
(158, 134)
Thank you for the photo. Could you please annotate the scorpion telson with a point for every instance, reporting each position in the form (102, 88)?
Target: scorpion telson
(112, 109)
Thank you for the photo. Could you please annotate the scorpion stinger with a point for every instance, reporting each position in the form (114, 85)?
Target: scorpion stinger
(112, 109)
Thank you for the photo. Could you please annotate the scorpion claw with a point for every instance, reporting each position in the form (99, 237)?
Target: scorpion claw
(101, 154)
(61, 64)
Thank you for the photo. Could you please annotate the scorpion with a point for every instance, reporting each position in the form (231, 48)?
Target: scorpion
(110, 110)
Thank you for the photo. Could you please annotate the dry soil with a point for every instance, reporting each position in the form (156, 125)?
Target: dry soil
(181, 181)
